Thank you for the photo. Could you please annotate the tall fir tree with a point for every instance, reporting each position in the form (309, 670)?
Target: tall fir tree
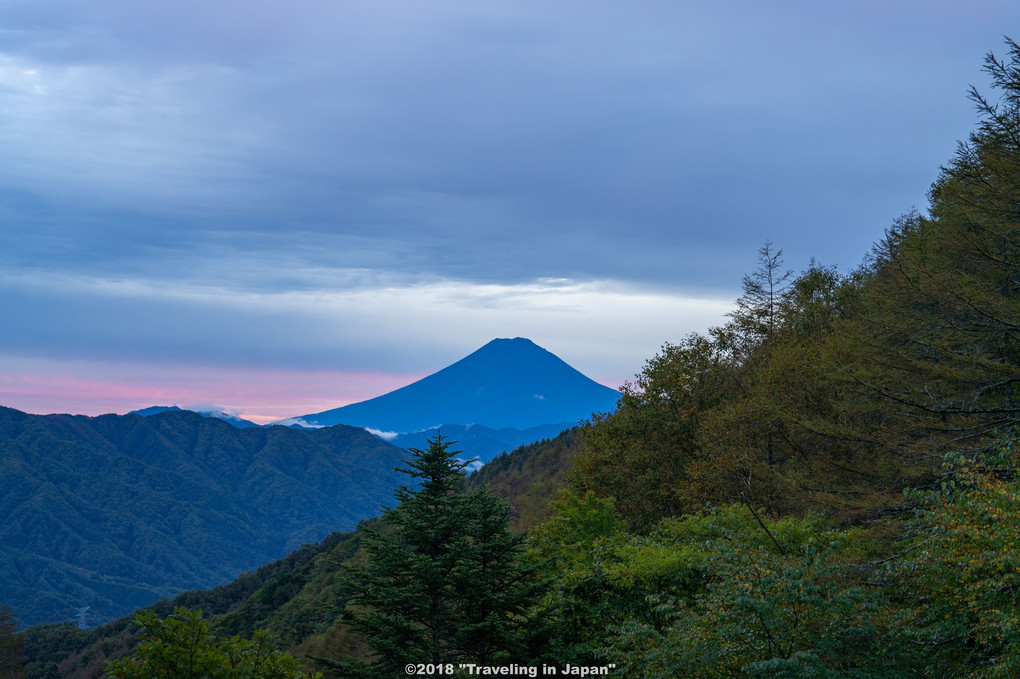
(445, 581)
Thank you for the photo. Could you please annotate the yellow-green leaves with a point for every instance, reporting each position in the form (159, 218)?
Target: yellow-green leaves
(181, 646)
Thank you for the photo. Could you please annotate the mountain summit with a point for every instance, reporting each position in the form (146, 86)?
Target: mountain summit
(506, 383)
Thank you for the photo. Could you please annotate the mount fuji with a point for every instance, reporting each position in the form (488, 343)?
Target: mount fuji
(508, 383)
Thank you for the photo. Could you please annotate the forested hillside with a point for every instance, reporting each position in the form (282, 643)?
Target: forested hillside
(289, 597)
(529, 477)
(824, 486)
(112, 513)
(282, 596)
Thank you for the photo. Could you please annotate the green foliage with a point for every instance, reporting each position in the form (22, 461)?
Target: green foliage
(943, 300)
(443, 583)
(577, 521)
(758, 411)
(758, 315)
(181, 646)
(529, 477)
(760, 613)
(640, 454)
(572, 549)
(965, 568)
(716, 594)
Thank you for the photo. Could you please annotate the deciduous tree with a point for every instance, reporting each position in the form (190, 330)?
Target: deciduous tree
(181, 646)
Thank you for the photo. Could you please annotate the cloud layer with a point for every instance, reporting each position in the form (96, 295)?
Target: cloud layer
(383, 187)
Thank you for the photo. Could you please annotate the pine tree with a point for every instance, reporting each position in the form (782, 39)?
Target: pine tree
(444, 582)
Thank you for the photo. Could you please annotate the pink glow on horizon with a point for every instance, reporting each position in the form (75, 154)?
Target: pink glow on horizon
(262, 396)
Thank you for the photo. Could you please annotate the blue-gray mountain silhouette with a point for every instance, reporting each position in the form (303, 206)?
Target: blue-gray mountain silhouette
(238, 422)
(506, 383)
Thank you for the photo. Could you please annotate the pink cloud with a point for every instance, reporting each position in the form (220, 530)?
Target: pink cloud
(43, 386)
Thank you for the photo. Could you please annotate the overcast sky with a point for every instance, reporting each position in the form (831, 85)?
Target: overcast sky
(279, 208)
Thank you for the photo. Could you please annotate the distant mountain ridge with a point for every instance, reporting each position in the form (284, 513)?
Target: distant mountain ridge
(481, 443)
(218, 414)
(114, 512)
(506, 383)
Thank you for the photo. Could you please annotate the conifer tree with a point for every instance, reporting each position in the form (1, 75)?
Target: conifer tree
(444, 582)
(943, 299)
(757, 316)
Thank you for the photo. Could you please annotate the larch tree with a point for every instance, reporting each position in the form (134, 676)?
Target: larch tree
(943, 298)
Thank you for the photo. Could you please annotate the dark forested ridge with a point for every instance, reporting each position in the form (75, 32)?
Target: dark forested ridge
(284, 596)
(114, 512)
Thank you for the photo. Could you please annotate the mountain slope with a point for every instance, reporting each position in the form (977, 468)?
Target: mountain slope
(476, 441)
(507, 383)
(292, 597)
(114, 512)
(529, 477)
(255, 599)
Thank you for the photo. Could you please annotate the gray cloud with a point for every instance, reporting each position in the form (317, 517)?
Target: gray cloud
(261, 150)
(578, 139)
(607, 329)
